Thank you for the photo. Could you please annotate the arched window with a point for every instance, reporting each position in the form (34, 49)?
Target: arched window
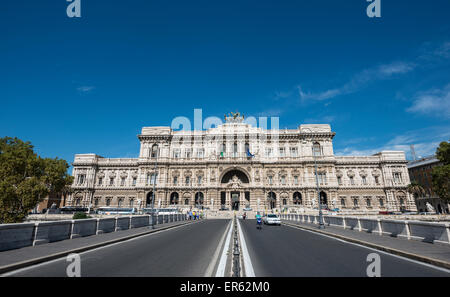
(317, 149)
(343, 202)
(120, 202)
(174, 198)
(131, 202)
(368, 202)
(186, 201)
(297, 198)
(108, 201)
(199, 198)
(284, 201)
(154, 152)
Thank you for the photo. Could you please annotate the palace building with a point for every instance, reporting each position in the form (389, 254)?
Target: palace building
(236, 165)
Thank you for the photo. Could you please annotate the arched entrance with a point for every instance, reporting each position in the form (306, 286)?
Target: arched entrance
(199, 199)
(149, 199)
(323, 198)
(228, 176)
(272, 199)
(174, 198)
(234, 185)
(297, 198)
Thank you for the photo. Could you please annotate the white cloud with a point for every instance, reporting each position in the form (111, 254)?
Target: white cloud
(360, 80)
(85, 89)
(434, 102)
(425, 142)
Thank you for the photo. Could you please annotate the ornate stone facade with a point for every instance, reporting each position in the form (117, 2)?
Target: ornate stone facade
(235, 165)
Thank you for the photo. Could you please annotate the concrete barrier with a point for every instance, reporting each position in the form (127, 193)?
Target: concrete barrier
(394, 228)
(139, 221)
(166, 218)
(336, 221)
(352, 223)
(122, 223)
(369, 225)
(83, 227)
(52, 231)
(14, 236)
(429, 231)
(171, 218)
(106, 225)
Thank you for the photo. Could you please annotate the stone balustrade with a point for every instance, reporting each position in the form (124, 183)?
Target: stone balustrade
(415, 230)
(13, 236)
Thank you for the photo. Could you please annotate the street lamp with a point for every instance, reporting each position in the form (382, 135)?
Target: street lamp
(154, 185)
(321, 224)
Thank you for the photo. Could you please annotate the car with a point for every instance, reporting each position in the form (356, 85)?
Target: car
(224, 208)
(248, 209)
(385, 213)
(272, 219)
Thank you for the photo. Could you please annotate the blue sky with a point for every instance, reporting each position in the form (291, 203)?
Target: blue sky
(88, 85)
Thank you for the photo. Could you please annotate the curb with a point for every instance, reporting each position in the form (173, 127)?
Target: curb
(19, 265)
(412, 256)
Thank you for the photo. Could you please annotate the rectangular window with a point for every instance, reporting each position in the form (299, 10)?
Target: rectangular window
(200, 153)
(282, 152)
(322, 177)
(364, 180)
(339, 180)
(283, 180)
(352, 180)
(270, 179)
(294, 152)
(188, 180)
(153, 179)
(296, 180)
(377, 182)
(100, 181)
(175, 180)
(111, 181)
(199, 180)
(176, 153)
(81, 179)
(269, 152)
(122, 181)
(397, 177)
(188, 153)
(134, 181)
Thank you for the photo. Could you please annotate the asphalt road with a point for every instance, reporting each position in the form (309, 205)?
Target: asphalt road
(286, 251)
(184, 251)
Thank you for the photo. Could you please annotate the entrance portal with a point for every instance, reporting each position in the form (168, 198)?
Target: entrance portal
(235, 200)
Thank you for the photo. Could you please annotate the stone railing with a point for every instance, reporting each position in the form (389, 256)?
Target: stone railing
(417, 230)
(13, 236)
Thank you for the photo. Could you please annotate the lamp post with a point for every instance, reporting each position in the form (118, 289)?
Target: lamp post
(321, 224)
(154, 189)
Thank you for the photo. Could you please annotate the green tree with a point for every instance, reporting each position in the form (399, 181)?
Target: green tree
(415, 189)
(441, 174)
(26, 179)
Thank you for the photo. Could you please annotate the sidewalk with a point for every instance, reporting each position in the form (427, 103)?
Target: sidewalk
(19, 258)
(432, 253)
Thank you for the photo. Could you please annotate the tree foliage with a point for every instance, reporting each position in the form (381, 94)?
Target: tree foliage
(26, 179)
(441, 174)
(416, 189)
